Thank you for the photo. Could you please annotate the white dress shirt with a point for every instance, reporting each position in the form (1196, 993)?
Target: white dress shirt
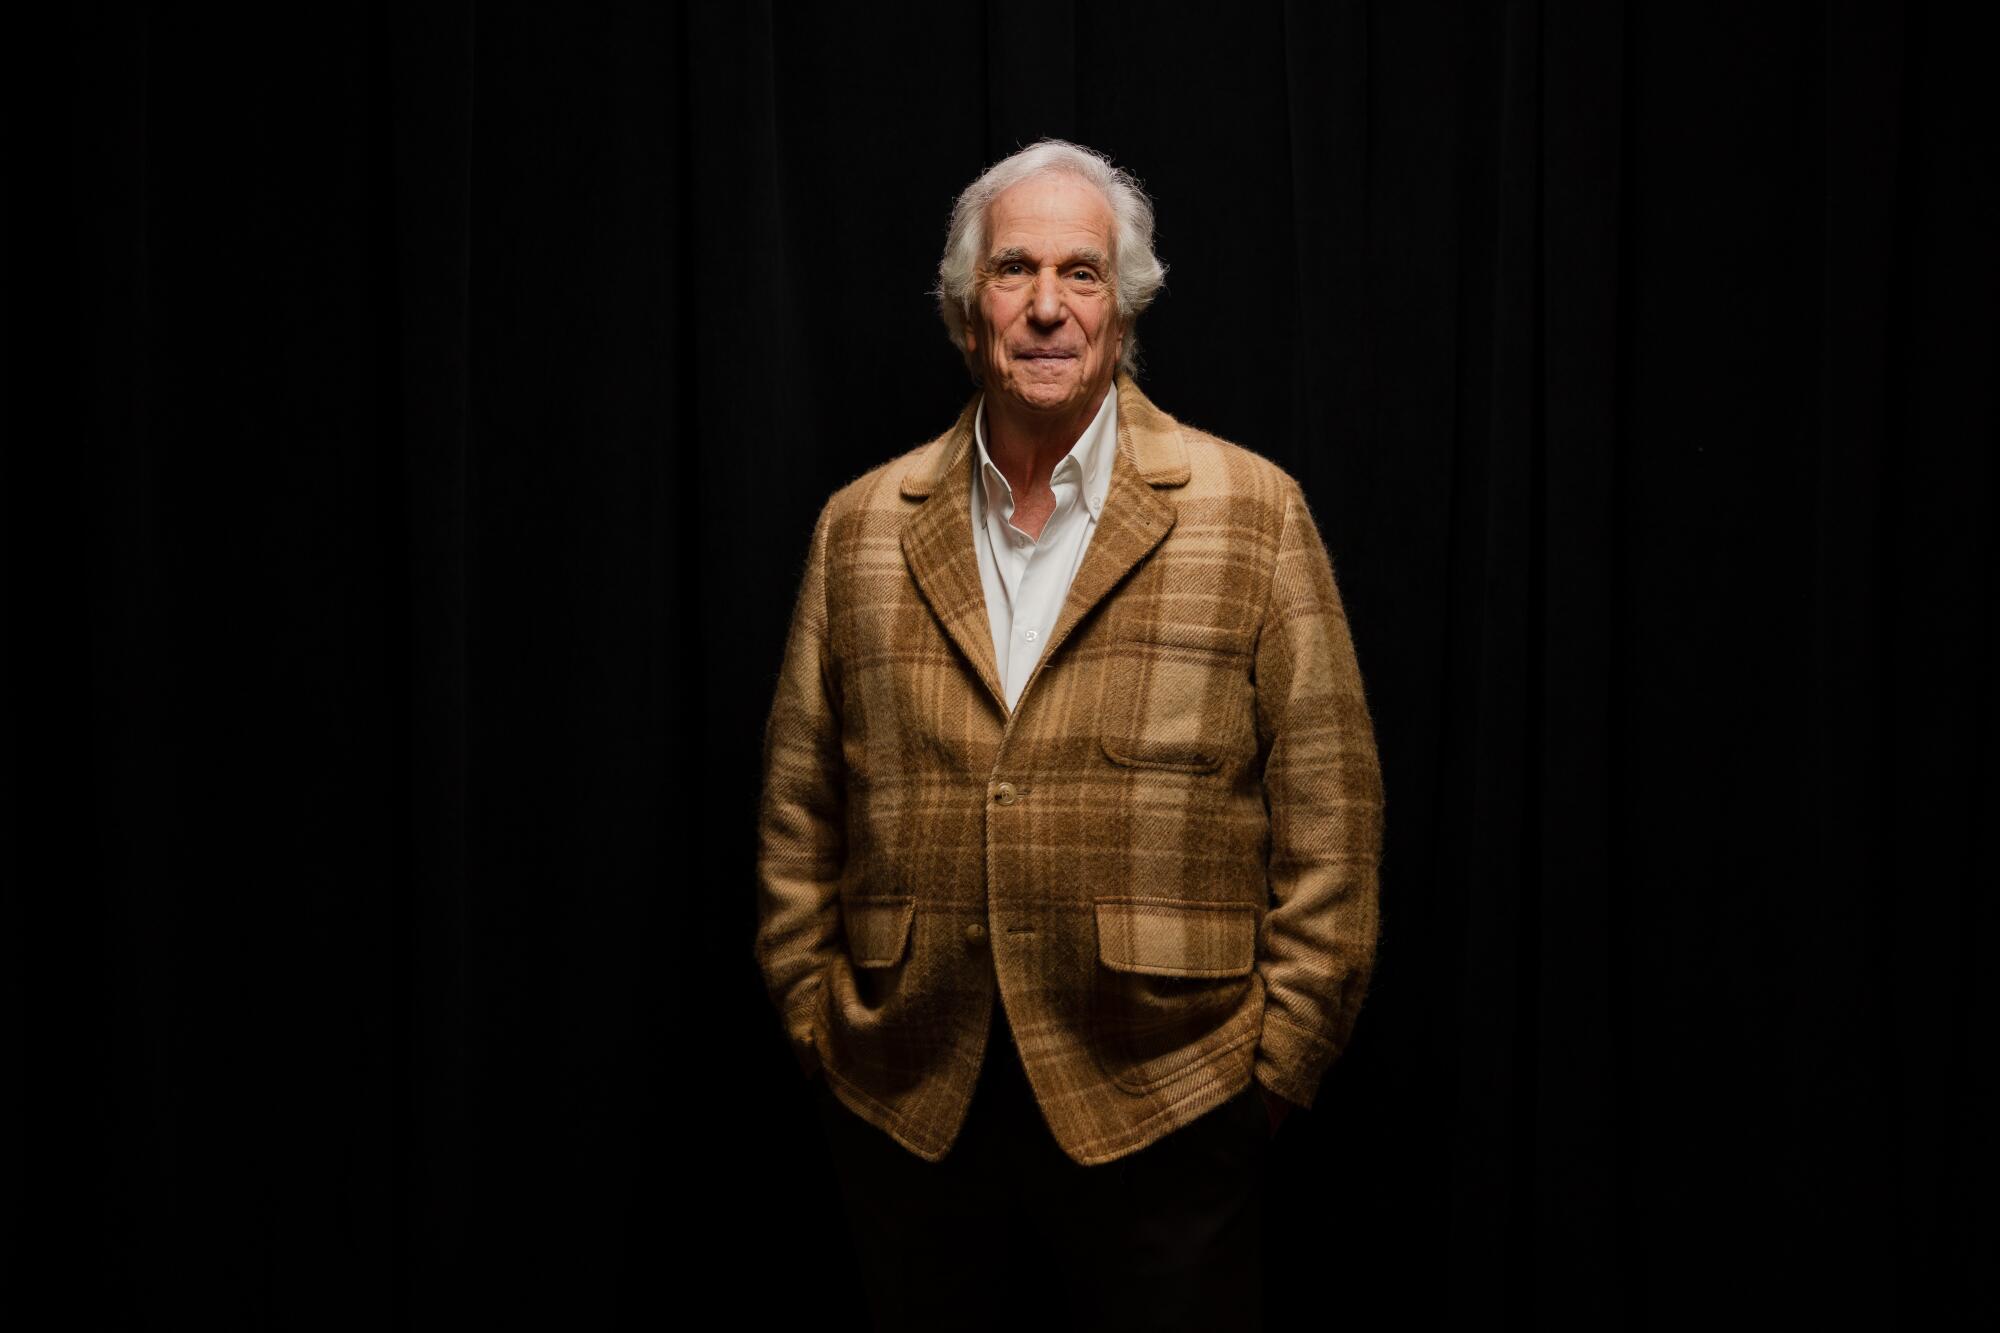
(1027, 578)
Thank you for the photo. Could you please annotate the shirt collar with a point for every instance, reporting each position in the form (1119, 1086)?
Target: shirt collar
(1090, 457)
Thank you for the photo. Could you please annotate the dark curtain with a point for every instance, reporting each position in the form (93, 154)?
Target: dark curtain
(415, 420)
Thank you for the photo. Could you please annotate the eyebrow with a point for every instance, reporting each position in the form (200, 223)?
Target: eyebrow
(1013, 254)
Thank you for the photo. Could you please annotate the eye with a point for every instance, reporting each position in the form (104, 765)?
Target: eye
(1084, 274)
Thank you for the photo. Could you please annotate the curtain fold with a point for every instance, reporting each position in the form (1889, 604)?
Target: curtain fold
(416, 418)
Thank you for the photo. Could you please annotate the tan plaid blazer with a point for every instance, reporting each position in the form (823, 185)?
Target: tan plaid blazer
(1163, 861)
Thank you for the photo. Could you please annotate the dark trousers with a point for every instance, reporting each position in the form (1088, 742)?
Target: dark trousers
(1008, 1232)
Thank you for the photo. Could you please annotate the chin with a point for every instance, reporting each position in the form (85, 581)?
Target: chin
(1047, 392)
(1050, 396)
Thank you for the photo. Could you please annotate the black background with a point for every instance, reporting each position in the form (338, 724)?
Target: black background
(416, 419)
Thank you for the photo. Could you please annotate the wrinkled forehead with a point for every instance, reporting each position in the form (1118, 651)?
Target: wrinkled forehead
(1055, 210)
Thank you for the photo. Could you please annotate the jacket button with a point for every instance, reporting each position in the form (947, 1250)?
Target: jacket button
(975, 932)
(1004, 793)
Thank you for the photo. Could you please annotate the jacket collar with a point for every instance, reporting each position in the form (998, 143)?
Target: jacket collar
(938, 543)
(1151, 438)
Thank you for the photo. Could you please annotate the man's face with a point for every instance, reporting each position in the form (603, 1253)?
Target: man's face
(1044, 330)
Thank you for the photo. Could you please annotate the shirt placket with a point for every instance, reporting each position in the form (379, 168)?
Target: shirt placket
(1034, 601)
(1008, 562)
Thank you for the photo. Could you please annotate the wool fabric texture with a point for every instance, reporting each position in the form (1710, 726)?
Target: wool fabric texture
(1163, 860)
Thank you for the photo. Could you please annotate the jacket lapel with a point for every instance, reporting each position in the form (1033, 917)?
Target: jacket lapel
(938, 538)
(937, 544)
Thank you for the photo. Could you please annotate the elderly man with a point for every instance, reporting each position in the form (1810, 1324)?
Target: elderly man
(1071, 816)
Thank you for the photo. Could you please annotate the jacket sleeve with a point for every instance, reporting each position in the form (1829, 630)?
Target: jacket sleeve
(801, 820)
(1323, 795)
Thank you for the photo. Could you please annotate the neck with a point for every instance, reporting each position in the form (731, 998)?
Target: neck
(1026, 446)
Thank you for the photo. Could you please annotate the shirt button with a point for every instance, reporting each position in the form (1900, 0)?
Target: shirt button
(1004, 793)
(975, 932)
(1030, 635)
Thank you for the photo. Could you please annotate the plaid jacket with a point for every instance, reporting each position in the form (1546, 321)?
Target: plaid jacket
(1162, 861)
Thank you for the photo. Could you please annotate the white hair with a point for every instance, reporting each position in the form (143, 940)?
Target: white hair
(1137, 274)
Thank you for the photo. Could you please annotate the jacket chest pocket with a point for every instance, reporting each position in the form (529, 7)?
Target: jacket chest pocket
(1177, 700)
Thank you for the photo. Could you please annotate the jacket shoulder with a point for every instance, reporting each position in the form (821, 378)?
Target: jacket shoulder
(1222, 469)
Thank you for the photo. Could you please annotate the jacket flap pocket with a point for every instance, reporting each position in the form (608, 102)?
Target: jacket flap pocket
(1180, 697)
(1174, 937)
(878, 928)
(1191, 637)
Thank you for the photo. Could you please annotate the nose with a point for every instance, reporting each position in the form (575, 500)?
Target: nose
(1047, 306)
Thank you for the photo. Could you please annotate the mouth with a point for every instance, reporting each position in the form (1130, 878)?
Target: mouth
(1045, 354)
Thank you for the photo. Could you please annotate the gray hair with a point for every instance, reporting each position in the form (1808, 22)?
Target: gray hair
(1138, 273)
